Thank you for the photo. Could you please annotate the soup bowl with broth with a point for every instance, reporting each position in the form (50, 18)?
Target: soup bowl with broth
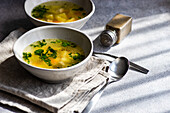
(53, 53)
(71, 13)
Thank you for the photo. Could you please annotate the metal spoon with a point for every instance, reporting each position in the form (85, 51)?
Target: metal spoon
(132, 65)
(117, 70)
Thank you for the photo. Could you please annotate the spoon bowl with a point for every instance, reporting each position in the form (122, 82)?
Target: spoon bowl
(118, 69)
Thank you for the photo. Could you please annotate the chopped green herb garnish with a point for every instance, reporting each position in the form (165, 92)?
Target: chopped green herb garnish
(58, 41)
(73, 45)
(34, 45)
(50, 52)
(65, 44)
(42, 56)
(53, 42)
(79, 17)
(39, 52)
(43, 40)
(40, 44)
(26, 56)
(79, 9)
(84, 14)
(39, 11)
(53, 52)
(70, 54)
(77, 56)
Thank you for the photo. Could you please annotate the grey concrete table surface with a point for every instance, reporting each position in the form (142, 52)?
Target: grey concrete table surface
(148, 45)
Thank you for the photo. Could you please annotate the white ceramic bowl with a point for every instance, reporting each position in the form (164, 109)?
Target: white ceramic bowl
(88, 5)
(46, 32)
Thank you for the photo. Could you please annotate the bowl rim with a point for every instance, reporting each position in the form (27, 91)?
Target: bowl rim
(52, 26)
(52, 23)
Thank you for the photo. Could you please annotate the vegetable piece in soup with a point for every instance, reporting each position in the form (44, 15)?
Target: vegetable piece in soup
(58, 11)
(53, 54)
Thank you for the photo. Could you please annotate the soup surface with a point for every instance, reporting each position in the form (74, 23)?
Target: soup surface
(58, 11)
(53, 54)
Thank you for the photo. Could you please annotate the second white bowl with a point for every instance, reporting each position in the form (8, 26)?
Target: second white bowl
(88, 5)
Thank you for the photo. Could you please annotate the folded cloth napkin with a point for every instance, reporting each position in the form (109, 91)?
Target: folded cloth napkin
(22, 104)
(30, 92)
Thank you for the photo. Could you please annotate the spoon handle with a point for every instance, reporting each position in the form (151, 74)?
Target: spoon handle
(113, 56)
(136, 67)
(95, 98)
(133, 66)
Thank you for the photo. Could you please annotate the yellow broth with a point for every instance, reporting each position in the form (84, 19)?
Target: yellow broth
(58, 11)
(53, 54)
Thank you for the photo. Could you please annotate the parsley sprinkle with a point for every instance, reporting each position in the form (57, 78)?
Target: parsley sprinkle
(39, 11)
(26, 56)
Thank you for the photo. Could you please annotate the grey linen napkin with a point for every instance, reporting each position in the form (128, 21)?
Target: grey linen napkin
(30, 93)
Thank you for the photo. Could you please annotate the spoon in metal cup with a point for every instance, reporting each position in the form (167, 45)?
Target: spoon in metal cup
(116, 70)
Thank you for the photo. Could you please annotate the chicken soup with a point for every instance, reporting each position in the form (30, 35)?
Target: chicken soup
(53, 54)
(58, 12)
